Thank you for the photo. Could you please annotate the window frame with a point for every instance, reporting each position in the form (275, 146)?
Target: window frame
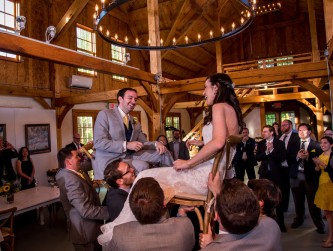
(16, 13)
(83, 71)
(168, 133)
(84, 113)
(270, 113)
(122, 52)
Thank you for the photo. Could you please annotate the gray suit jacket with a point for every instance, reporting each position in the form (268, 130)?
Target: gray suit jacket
(81, 205)
(173, 234)
(266, 236)
(183, 151)
(109, 137)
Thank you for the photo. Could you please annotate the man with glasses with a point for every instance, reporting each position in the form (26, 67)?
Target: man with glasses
(76, 144)
(305, 180)
(120, 176)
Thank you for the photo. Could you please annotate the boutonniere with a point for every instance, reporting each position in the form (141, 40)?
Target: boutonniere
(134, 122)
(313, 150)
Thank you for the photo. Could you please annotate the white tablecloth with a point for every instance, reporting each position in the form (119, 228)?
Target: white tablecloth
(32, 198)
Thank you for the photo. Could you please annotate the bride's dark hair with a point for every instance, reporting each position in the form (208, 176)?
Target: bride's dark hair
(225, 94)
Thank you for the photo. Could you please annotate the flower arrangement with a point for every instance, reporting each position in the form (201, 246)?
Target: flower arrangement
(10, 187)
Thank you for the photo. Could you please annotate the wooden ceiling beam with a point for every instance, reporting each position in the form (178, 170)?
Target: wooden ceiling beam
(23, 91)
(33, 48)
(188, 60)
(42, 102)
(71, 14)
(179, 22)
(116, 13)
(276, 74)
(254, 99)
(94, 97)
(143, 10)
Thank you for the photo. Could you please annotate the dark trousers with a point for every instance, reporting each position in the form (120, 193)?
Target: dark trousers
(280, 208)
(92, 246)
(285, 188)
(301, 188)
(240, 170)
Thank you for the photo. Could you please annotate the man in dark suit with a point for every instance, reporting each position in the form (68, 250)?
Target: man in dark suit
(76, 142)
(152, 231)
(291, 142)
(272, 152)
(118, 135)
(120, 176)
(178, 147)
(80, 201)
(244, 158)
(305, 180)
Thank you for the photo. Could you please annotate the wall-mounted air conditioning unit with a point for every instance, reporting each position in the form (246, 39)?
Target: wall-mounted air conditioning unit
(79, 82)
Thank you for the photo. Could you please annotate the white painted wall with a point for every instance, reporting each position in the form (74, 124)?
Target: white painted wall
(29, 112)
(15, 112)
(253, 122)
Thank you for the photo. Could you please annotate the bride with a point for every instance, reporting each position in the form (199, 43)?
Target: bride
(223, 118)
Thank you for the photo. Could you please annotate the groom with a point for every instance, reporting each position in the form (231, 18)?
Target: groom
(117, 135)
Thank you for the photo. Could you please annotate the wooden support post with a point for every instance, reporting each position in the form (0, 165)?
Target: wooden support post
(320, 121)
(328, 13)
(155, 62)
(313, 31)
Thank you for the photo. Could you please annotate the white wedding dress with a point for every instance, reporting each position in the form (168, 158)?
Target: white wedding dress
(192, 181)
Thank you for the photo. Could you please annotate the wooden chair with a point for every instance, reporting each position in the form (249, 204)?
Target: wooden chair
(7, 231)
(206, 200)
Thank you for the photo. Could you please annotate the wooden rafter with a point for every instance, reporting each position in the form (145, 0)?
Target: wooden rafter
(322, 96)
(37, 49)
(70, 16)
(177, 22)
(277, 74)
(43, 103)
(308, 104)
(94, 97)
(151, 95)
(61, 113)
(146, 107)
(25, 92)
(188, 60)
(255, 99)
(171, 103)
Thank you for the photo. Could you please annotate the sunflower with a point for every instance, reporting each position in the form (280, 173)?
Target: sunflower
(6, 188)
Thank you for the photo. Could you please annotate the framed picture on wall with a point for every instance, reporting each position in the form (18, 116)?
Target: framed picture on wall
(3, 131)
(37, 138)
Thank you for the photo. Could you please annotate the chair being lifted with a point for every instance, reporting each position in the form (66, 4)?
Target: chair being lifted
(7, 228)
(206, 201)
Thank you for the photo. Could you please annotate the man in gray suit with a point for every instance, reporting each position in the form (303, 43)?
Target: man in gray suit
(152, 231)
(241, 228)
(178, 147)
(117, 135)
(80, 201)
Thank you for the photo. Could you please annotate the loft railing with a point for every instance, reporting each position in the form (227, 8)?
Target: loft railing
(265, 63)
